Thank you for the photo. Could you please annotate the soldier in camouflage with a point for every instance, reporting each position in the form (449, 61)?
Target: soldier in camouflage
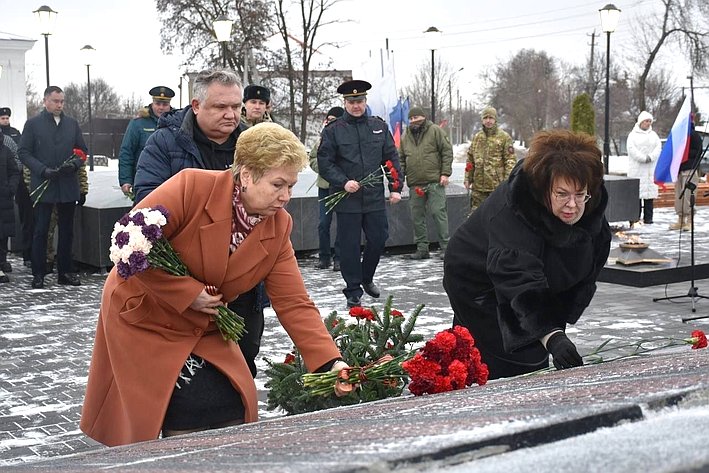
(491, 158)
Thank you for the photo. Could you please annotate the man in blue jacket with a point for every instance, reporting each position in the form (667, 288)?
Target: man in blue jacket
(137, 134)
(352, 148)
(46, 146)
(203, 135)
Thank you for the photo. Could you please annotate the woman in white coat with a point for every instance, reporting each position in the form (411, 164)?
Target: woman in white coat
(644, 148)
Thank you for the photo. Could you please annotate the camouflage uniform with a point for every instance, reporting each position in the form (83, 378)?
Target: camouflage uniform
(490, 160)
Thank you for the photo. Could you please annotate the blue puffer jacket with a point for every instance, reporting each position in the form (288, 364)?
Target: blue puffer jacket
(168, 151)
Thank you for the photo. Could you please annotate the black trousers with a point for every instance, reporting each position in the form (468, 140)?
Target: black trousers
(647, 208)
(65, 226)
(356, 270)
(249, 305)
(24, 205)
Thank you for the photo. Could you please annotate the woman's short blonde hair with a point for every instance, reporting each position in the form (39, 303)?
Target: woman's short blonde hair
(267, 146)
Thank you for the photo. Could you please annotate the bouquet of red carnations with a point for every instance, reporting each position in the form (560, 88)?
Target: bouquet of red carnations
(138, 244)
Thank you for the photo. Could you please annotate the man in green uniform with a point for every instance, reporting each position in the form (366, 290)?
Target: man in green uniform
(426, 157)
(137, 134)
(491, 158)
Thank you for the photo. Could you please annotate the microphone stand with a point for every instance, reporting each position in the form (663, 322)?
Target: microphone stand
(693, 292)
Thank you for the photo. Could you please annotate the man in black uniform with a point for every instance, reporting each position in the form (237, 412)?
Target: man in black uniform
(352, 148)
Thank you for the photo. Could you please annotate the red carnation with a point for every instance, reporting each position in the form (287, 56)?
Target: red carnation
(468, 166)
(361, 313)
(701, 340)
(290, 359)
(396, 313)
(80, 153)
(419, 192)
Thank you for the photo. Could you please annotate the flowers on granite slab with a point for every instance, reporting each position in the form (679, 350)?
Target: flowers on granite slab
(448, 362)
(374, 345)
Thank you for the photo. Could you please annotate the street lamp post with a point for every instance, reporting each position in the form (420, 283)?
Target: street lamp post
(450, 103)
(609, 21)
(88, 51)
(222, 31)
(46, 17)
(433, 37)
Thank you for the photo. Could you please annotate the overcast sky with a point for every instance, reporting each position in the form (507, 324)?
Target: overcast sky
(476, 35)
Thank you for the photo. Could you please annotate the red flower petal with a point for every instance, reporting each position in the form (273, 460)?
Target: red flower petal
(701, 340)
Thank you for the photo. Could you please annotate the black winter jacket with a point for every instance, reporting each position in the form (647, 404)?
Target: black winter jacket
(352, 148)
(9, 178)
(44, 144)
(169, 150)
(516, 268)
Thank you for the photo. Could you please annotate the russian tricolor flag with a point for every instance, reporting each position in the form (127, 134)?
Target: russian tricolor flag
(676, 149)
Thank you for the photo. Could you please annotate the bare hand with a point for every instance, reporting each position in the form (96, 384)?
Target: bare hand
(444, 181)
(394, 197)
(467, 185)
(206, 303)
(342, 388)
(352, 186)
(126, 188)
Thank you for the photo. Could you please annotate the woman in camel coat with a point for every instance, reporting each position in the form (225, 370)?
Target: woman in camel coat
(159, 362)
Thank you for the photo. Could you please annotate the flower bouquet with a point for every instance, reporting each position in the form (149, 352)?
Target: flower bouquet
(374, 346)
(448, 362)
(372, 179)
(137, 243)
(36, 195)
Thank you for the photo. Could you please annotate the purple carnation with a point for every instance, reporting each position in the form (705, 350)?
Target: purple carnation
(152, 232)
(138, 219)
(122, 239)
(138, 262)
(163, 211)
(123, 269)
(125, 220)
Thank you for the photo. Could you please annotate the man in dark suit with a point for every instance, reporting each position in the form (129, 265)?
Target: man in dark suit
(46, 146)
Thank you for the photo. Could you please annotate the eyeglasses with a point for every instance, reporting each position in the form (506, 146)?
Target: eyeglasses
(565, 197)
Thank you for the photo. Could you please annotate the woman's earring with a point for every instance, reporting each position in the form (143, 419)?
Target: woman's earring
(243, 188)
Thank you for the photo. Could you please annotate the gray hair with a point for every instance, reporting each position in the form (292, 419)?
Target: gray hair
(206, 78)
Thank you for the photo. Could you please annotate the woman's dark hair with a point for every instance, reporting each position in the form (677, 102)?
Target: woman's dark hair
(555, 154)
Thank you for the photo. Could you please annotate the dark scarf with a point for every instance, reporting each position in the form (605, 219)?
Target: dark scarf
(217, 157)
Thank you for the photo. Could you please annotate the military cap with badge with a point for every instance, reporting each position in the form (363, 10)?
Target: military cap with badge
(257, 92)
(354, 89)
(5, 112)
(162, 93)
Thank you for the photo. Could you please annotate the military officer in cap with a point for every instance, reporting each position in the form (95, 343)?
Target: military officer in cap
(256, 101)
(5, 127)
(351, 148)
(137, 134)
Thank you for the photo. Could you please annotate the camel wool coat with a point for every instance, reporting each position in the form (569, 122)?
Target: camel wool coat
(146, 329)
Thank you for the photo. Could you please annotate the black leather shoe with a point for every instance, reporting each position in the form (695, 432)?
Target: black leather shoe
(371, 289)
(324, 264)
(5, 267)
(37, 282)
(69, 279)
(336, 266)
(419, 255)
(353, 301)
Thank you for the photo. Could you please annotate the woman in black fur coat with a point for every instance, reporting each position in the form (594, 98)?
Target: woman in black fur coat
(525, 264)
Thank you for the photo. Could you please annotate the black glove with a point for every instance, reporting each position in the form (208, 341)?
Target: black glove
(50, 173)
(563, 351)
(70, 167)
(82, 200)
